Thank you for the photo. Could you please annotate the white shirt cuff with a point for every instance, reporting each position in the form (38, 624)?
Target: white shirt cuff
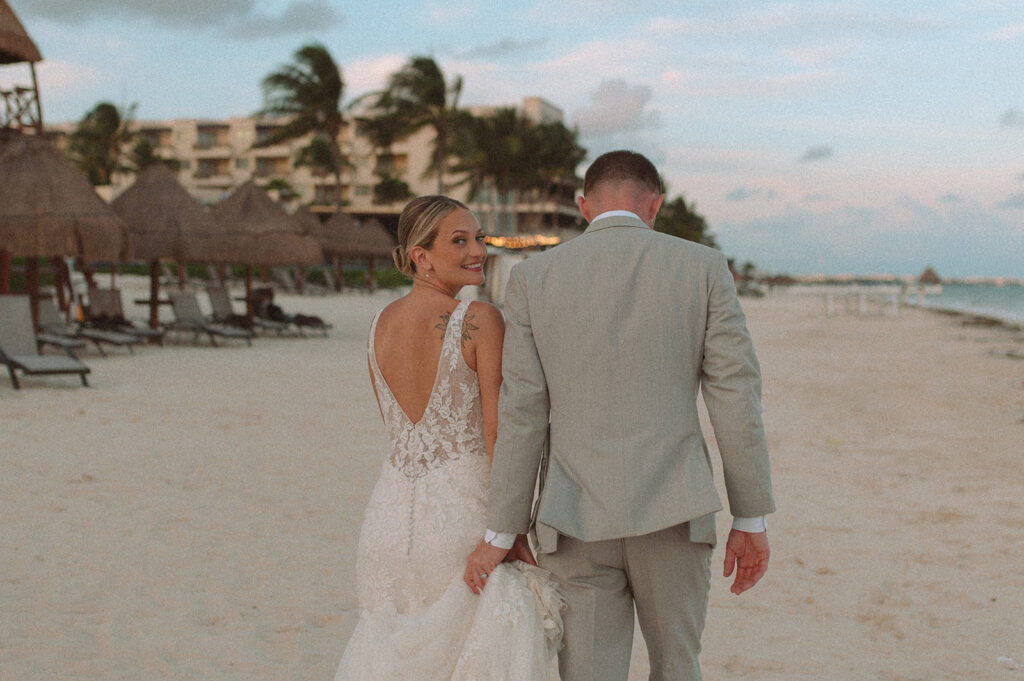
(501, 540)
(756, 524)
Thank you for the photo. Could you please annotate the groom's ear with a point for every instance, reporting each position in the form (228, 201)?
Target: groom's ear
(655, 206)
(585, 211)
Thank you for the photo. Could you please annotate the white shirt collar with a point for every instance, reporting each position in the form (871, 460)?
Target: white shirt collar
(616, 214)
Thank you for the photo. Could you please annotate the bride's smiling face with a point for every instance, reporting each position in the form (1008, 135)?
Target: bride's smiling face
(457, 256)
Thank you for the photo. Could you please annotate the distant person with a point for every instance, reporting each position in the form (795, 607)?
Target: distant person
(435, 364)
(610, 337)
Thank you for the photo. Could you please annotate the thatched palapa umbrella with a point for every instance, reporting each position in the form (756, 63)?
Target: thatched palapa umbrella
(21, 107)
(254, 230)
(48, 209)
(165, 223)
(343, 237)
(15, 43)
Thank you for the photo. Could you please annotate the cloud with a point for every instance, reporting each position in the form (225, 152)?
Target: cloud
(299, 16)
(1012, 118)
(368, 75)
(743, 193)
(237, 18)
(795, 20)
(1014, 201)
(899, 236)
(816, 153)
(951, 199)
(442, 15)
(1007, 33)
(503, 48)
(616, 107)
(61, 80)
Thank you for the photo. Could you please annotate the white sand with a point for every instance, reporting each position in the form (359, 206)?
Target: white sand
(194, 514)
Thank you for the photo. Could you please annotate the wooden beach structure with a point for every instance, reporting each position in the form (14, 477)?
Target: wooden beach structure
(21, 106)
(48, 209)
(165, 224)
(255, 231)
(342, 237)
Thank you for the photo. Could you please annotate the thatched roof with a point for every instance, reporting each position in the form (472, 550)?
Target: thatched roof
(15, 45)
(329, 239)
(258, 231)
(48, 208)
(163, 219)
(352, 240)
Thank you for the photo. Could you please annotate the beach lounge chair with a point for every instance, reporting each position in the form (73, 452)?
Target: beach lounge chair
(189, 317)
(264, 308)
(51, 322)
(106, 312)
(19, 346)
(224, 312)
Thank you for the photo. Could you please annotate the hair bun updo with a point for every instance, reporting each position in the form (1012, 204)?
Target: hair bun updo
(417, 226)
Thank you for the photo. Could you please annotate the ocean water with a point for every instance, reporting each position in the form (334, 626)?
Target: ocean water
(990, 300)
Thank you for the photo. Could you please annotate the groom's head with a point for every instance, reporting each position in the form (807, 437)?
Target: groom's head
(622, 180)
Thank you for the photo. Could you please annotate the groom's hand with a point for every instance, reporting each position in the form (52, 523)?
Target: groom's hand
(521, 551)
(481, 564)
(748, 552)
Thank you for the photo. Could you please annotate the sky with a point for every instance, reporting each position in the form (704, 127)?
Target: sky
(863, 136)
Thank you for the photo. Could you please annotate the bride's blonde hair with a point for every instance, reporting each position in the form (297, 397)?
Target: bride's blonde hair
(418, 224)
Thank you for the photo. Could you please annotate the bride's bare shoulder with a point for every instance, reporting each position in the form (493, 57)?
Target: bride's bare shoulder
(481, 314)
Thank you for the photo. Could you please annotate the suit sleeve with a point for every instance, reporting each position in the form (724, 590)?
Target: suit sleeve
(523, 413)
(731, 386)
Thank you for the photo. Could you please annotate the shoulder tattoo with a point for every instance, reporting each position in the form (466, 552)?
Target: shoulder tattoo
(468, 327)
(443, 326)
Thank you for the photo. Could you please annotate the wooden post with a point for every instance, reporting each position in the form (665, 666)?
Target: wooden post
(339, 279)
(249, 308)
(371, 281)
(32, 286)
(39, 101)
(5, 271)
(300, 279)
(61, 277)
(154, 293)
(181, 275)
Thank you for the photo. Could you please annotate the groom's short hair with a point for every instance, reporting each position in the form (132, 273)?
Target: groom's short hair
(623, 165)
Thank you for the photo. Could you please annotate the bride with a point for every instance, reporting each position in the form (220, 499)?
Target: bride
(435, 363)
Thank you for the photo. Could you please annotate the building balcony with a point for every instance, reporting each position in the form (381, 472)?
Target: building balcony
(213, 179)
(212, 150)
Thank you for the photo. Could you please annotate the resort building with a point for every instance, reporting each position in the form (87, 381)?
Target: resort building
(213, 156)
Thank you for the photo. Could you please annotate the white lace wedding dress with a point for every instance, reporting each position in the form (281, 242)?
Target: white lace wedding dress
(418, 620)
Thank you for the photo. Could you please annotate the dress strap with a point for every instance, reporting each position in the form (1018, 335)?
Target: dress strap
(371, 353)
(453, 333)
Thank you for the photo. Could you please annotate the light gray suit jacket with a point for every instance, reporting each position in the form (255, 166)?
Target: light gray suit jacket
(609, 337)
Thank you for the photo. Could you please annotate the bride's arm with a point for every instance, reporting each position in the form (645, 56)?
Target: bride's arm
(485, 329)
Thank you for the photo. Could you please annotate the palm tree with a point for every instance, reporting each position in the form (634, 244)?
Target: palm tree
(553, 154)
(492, 152)
(417, 96)
(383, 128)
(97, 144)
(308, 93)
(682, 220)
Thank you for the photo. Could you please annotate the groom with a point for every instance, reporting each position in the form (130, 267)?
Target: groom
(609, 338)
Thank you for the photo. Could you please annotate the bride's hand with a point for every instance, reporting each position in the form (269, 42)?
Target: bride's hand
(481, 564)
(521, 551)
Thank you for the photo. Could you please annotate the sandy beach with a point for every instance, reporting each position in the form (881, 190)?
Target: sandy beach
(194, 513)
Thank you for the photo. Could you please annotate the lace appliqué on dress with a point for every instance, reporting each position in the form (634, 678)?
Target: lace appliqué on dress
(451, 425)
